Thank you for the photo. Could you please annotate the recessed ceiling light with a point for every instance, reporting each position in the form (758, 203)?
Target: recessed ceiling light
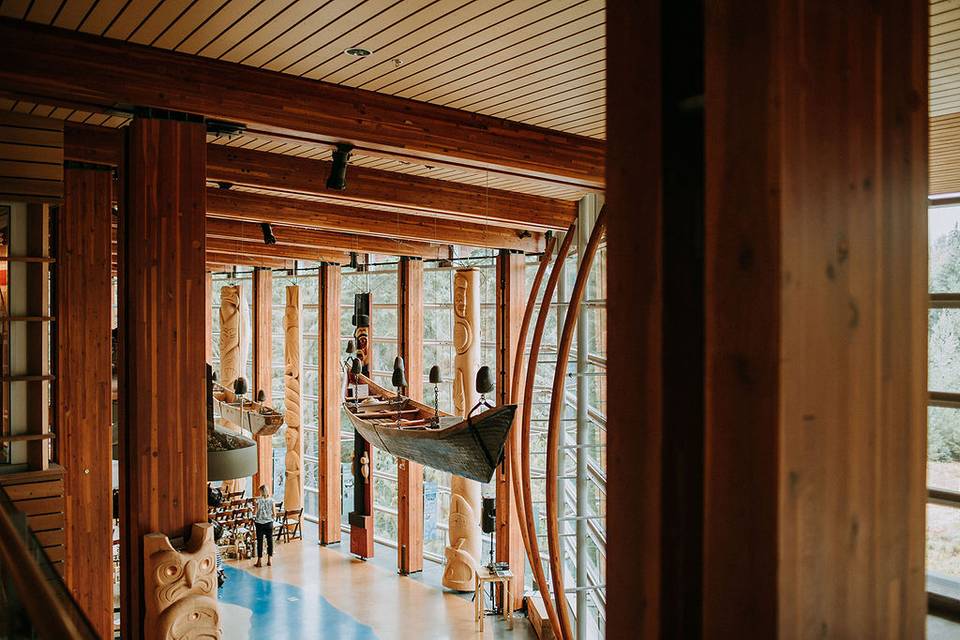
(357, 52)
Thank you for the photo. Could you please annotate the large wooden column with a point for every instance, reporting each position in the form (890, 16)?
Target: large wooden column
(410, 474)
(231, 355)
(262, 366)
(163, 446)
(83, 309)
(463, 553)
(292, 408)
(807, 193)
(361, 518)
(331, 399)
(511, 298)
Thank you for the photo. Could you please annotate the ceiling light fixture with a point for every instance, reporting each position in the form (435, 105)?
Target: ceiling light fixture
(268, 237)
(357, 52)
(338, 170)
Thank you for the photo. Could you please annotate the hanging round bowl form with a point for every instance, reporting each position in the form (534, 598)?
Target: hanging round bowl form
(229, 455)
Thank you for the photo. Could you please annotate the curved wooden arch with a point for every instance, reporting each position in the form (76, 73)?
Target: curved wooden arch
(531, 524)
(553, 426)
(515, 392)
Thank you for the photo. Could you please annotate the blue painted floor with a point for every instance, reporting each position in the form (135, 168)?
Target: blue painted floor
(280, 610)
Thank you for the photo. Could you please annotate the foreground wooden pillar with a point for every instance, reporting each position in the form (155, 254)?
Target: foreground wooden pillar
(810, 205)
(292, 409)
(262, 367)
(463, 553)
(511, 298)
(163, 453)
(83, 309)
(331, 398)
(410, 474)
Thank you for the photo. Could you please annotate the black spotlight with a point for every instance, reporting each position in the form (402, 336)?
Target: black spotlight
(268, 237)
(338, 171)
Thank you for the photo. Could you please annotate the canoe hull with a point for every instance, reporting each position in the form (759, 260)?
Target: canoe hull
(455, 448)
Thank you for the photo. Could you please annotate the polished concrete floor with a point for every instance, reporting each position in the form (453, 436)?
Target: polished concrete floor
(313, 592)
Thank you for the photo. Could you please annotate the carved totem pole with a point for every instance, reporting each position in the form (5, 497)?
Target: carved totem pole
(231, 362)
(293, 486)
(466, 542)
(181, 587)
(361, 518)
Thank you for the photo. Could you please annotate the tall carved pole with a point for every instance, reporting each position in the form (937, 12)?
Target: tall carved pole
(466, 543)
(231, 364)
(293, 486)
(361, 518)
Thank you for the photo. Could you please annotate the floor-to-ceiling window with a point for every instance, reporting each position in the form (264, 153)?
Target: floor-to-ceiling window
(943, 412)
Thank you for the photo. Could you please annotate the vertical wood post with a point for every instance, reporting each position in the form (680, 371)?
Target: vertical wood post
(511, 298)
(361, 518)
(83, 405)
(332, 379)
(463, 553)
(163, 445)
(263, 366)
(410, 474)
(208, 316)
(292, 408)
(232, 356)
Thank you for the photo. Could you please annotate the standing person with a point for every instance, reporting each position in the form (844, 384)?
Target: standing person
(263, 522)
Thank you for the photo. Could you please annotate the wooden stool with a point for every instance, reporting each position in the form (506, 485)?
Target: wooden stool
(484, 577)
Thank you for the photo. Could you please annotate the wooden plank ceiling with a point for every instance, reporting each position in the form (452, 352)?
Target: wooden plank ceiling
(530, 61)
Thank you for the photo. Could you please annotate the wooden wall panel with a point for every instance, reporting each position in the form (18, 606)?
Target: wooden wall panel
(31, 158)
(511, 299)
(163, 448)
(816, 319)
(410, 474)
(331, 398)
(263, 367)
(84, 412)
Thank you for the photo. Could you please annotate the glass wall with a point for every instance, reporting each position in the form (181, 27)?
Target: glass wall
(381, 280)
(943, 413)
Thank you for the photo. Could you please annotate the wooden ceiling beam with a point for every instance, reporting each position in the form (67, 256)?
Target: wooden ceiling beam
(328, 240)
(50, 65)
(279, 172)
(255, 207)
(219, 259)
(291, 174)
(289, 252)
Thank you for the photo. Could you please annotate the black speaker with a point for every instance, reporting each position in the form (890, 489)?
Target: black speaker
(488, 520)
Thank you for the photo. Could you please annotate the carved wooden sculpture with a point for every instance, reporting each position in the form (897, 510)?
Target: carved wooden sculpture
(231, 362)
(181, 587)
(293, 486)
(554, 426)
(464, 551)
(361, 518)
(535, 342)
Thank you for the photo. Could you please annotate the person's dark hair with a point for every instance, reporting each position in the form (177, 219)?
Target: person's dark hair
(217, 531)
(214, 497)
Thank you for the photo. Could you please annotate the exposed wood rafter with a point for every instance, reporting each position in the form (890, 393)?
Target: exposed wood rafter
(57, 66)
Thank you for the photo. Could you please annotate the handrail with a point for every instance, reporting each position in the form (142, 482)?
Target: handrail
(48, 610)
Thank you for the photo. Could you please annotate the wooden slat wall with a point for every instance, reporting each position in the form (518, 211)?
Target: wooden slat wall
(330, 497)
(84, 413)
(163, 445)
(945, 154)
(31, 158)
(410, 474)
(511, 300)
(40, 496)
